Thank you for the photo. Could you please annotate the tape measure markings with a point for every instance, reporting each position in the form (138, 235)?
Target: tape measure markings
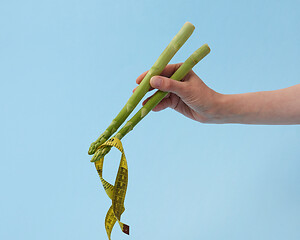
(117, 191)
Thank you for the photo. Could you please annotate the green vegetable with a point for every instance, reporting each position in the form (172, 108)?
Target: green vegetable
(156, 98)
(175, 44)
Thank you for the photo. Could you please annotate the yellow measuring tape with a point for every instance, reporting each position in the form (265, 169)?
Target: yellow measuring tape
(115, 192)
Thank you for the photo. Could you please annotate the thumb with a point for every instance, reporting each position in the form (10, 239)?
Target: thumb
(168, 85)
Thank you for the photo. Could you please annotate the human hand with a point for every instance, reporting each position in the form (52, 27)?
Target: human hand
(191, 96)
(194, 99)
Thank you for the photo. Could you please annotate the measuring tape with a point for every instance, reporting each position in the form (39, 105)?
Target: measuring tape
(115, 192)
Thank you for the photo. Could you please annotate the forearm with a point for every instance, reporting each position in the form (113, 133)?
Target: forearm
(269, 107)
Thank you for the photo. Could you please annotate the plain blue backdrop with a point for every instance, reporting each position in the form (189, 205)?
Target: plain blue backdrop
(66, 69)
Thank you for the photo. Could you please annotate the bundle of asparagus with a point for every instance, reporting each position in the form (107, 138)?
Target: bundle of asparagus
(176, 43)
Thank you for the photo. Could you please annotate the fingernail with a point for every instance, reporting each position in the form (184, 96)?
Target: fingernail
(155, 82)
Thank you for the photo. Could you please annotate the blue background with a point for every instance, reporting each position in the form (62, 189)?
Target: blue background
(67, 68)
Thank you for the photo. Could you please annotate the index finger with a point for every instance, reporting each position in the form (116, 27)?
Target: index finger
(141, 77)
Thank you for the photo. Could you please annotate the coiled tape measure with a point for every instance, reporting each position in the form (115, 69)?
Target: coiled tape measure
(115, 192)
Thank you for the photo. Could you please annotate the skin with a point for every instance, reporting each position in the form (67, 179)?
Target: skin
(194, 99)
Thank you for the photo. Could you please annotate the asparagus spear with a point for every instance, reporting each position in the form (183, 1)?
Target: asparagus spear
(175, 44)
(199, 54)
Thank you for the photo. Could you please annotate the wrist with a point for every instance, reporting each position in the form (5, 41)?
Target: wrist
(223, 109)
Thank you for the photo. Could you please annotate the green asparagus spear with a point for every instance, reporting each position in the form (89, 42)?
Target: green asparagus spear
(156, 98)
(175, 44)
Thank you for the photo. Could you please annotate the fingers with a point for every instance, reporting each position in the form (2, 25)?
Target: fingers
(134, 89)
(167, 72)
(141, 77)
(169, 85)
(165, 103)
(170, 69)
(137, 87)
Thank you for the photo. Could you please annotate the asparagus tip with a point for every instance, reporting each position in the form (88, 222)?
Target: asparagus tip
(91, 149)
(101, 153)
(94, 146)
